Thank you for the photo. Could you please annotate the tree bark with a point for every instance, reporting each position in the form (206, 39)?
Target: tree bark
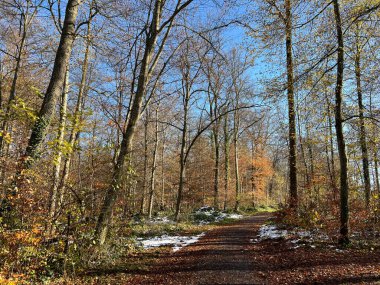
(331, 145)
(215, 137)
(145, 177)
(105, 215)
(58, 155)
(162, 206)
(293, 195)
(154, 166)
(25, 23)
(56, 83)
(12, 93)
(236, 152)
(343, 239)
(376, 161)
(182, 157)
(226, 161)
(1, 84)
(216, 172)
(362, 132)
(77, 116)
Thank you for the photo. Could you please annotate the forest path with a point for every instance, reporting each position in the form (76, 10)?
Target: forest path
(222, 256)
(229, 254)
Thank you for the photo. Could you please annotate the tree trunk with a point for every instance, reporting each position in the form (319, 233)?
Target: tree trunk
(56, 83)
(215, 135)
(253, 181)
(77, 116)
(182, 158)
(362, 132)
(301, 144)
(377, 173)
(162, 206)
(343, 240)
(58, 156)
(312, 168)
(331, 143)
(226, 161)
(1, 84)
(12, 92)
(293, 195)
(236, 150)
(145, 177)
(105, 215)
(154, 166)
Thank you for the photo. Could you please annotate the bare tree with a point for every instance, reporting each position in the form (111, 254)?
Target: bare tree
(56, 82)
(147, 66)
(343, 240)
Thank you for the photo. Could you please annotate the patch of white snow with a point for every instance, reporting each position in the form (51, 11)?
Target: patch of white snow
(177, 242)
(161, 220)
(271, 232)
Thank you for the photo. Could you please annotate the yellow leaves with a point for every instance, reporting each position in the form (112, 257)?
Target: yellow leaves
(6, 137)
(63, 147)
(23, 237)
(21, 111)
(13, 278)
(36, 231)
(315, 217)
(37, 92)
(14, 281)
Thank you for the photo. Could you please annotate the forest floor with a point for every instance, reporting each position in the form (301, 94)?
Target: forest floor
(232, 254)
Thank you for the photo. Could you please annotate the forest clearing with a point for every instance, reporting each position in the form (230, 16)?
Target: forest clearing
(189, 142)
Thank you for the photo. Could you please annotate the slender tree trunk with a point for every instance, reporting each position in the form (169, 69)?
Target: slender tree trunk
(182, 179)
(253, 182)
(56, 83)
(343, 240)
(312, 168)
(216, 166)
(4, 164)
(105, 215)
(119, 114)
(1, 84)
(74, 134)
(182, 158)
(145, 178)
(301, 144)
(154, 166)
(58, 156)
(12, 92)
(93, 169)
(362, 133)
(213, 101)
(376, 161)
(236, 150)
(293, 195)
(226, 161)
(162, 206)
(331, 143)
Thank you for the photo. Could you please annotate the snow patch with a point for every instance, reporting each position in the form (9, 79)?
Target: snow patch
(340, 250)
(271, 232)
(304, 234)
(161, 220)
(177, 242)
(296, 237)
(206, 215)
(235, 216)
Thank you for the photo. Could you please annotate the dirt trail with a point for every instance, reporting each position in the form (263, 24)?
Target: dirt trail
(222, 256)
(227, 255)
